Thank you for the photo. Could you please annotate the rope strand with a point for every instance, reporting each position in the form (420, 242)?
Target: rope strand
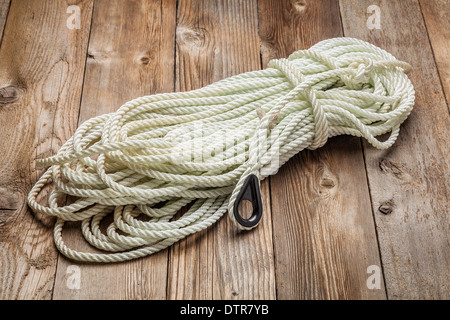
(160, 153)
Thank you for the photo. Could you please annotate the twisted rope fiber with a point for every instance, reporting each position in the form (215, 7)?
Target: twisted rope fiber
(149, 159)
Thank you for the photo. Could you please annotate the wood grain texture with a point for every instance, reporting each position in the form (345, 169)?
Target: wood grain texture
(42, 63)
(436, 14)
(324, 232)
(217, 39)
(409, 182)
(131, 54)
(4, 8)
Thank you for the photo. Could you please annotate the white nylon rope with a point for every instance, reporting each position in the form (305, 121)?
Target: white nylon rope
(159, 153)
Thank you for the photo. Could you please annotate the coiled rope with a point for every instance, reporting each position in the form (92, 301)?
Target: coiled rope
(159, 153)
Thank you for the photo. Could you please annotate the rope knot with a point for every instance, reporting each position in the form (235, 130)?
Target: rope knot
(359, 75)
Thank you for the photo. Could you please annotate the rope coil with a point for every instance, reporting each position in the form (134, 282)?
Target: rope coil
(160, 153)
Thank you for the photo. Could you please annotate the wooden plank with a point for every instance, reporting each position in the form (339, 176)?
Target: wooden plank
(131, 54)
(324, 233)
(216, 40)
(409, 183)
(437, 21)
(7, 94)
(41, 64)
(4, 8)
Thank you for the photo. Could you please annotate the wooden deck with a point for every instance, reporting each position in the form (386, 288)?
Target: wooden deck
(330, 214)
